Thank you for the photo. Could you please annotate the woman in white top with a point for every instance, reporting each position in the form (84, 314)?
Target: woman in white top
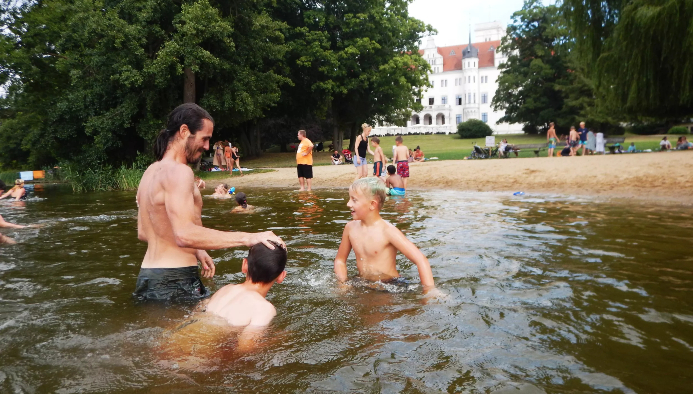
(664, 144)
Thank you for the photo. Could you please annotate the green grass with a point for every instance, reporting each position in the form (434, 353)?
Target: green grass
(9, 177)
(444, 147)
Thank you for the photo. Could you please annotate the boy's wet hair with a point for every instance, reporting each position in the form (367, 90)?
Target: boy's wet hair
(265, 264)
(376, 140)
(241, 200)
(398, 138)
(371, 187)
(391, 169)
(572, 127)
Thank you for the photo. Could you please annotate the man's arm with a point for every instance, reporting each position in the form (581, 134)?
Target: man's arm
(340, 268)
(180, 208)
(307, 149)
(401, 243)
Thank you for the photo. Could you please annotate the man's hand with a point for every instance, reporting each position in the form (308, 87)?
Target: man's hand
(208, 267)
(265, 238)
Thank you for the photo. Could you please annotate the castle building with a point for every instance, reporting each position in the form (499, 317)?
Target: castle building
(464, 83)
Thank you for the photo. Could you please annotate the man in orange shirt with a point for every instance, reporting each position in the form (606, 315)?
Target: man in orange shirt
(304, 161)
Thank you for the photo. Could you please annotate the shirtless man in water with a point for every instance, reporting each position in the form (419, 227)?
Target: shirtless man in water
(169, 217)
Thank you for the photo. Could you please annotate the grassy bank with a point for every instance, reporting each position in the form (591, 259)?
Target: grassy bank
(444, 147)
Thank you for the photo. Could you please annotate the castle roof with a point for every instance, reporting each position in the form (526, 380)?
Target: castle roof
(453, 55)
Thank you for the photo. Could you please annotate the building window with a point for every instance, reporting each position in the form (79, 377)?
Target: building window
(431, 100)
(444, 100)
(474, 64)
(458, 119)
(458, 99)
(484, 98)
(455, 81)
(469, 79)
(474, 98)
(469, 98)
(484, 117)
(452, 53)
(433, 84)
(417, 100)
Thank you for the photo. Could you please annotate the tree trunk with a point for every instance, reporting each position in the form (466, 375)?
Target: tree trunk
(337, 138)
(352, 136)
(188, 85)
(255, 140)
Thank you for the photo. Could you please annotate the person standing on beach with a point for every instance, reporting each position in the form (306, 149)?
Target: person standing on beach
(362, 148)
(552, 139)
(573, 141)
(170, 210)
(401, 159)
(582, 131)
(304, 161)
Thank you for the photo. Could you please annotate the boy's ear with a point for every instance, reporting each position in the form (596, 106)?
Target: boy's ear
(244, 267)
(281, 277)
(374, 205)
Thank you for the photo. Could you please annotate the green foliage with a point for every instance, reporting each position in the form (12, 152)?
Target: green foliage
(647, 128)
(92, 82)
(100, 178)
(678, 130)
(638, 52)
(529, 84)
(9, 177)
(474, 128)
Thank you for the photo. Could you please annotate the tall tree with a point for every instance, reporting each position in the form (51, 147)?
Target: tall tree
(638, 52)
(353, 61)
(114, 69)
(529, 85)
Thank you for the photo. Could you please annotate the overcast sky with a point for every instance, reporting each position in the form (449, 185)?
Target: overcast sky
(452, 17)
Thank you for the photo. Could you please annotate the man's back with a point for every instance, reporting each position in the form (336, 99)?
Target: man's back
(154, 225)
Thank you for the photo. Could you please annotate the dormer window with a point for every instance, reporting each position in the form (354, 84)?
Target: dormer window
(490, 48)
(452, 53)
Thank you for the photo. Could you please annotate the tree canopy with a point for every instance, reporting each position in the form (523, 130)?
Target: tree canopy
(638, 53)
(92, 80)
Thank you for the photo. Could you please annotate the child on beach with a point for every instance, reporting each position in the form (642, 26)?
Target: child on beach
(375, 241)
(379, 159)
(240, 306)
(243, 206)
(401, 159)
(394, 182)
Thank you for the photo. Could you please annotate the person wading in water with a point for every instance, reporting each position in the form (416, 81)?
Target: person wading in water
(169, 214)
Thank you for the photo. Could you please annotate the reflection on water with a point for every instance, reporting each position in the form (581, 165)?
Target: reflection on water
(545, 294)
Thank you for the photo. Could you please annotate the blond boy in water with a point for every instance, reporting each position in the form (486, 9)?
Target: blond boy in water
(375, 241)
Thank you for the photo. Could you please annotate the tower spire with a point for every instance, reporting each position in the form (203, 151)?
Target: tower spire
(470, 34)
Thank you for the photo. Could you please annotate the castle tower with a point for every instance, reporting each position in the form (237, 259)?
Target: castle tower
(470, 85)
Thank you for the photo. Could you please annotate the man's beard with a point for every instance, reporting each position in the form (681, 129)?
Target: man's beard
(192, 155)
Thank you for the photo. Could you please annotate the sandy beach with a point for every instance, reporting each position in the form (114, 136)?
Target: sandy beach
(660, 176)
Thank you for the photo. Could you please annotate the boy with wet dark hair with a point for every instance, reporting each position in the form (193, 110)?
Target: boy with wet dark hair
(245, 304)
(394, 182)
(242, 202)
(193, 342)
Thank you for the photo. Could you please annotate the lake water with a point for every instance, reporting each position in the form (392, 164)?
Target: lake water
(545, 294)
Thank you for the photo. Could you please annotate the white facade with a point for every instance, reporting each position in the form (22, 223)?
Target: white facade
(464, 82)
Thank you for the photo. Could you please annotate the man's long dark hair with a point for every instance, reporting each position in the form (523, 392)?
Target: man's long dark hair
(189, 114)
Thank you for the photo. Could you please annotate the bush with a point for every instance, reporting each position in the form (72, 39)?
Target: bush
(678, 130)
(647, 129)
(473, 128)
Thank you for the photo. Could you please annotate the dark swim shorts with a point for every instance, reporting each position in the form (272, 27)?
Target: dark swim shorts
(170, 284)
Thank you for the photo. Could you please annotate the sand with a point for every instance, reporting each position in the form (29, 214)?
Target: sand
(660, 176)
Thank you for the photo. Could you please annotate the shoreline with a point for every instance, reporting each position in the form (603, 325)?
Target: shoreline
(658, 176)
